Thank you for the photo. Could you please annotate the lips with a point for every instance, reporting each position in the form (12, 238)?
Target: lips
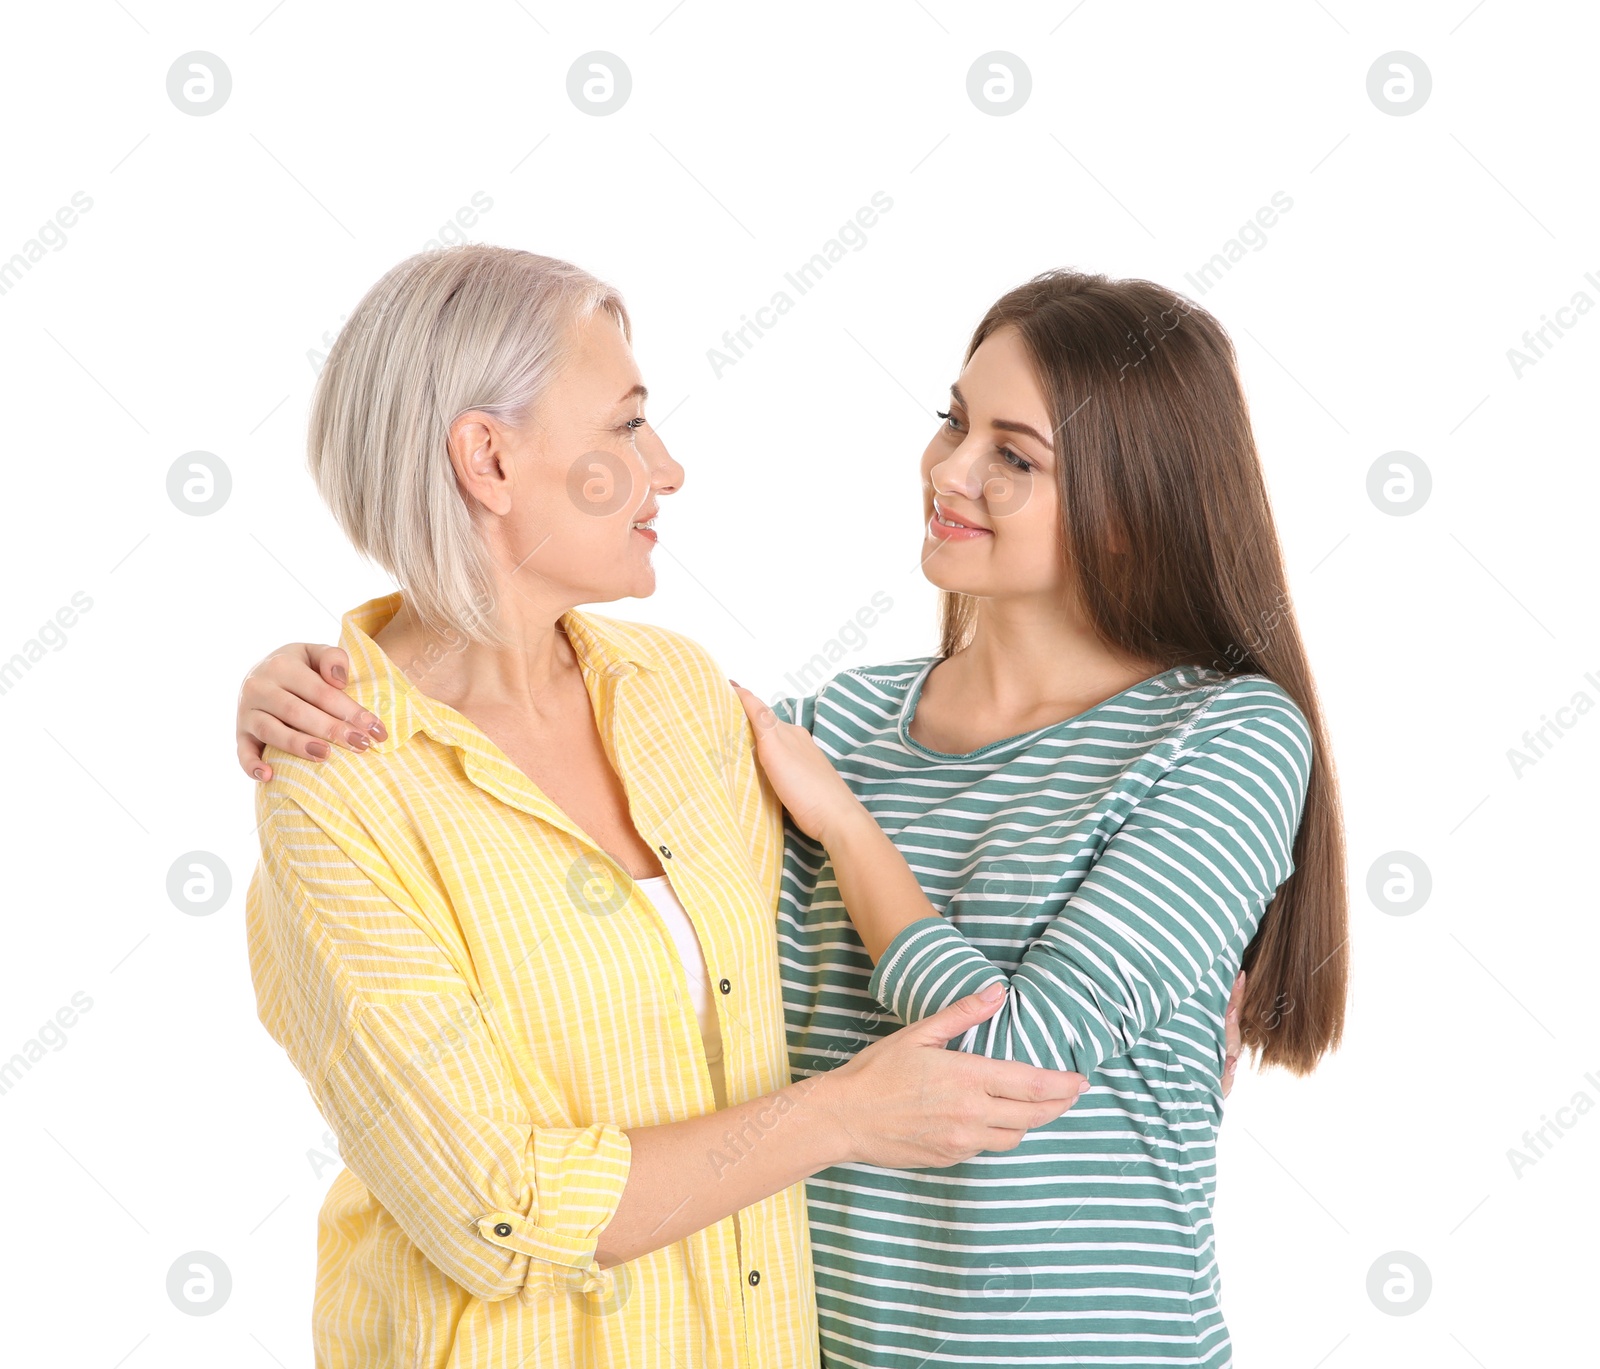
(943, 523)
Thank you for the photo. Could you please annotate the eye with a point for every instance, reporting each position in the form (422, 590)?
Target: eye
(951, 422)
(1016, 461)
(635, 422)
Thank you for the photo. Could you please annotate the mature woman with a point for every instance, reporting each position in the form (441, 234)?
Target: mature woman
(488, 941)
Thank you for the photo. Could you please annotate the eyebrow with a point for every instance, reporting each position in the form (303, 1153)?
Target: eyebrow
(1006, 425)
(637, 390)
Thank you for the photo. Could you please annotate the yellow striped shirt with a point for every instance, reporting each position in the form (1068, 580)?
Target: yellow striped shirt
(480, 1002)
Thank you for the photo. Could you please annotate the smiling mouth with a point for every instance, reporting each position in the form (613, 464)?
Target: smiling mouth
(944, 520)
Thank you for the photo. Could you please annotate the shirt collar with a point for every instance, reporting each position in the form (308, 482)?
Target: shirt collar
(606, 646)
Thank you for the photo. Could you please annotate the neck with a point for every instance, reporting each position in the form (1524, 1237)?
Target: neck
(1028, 652)
(534, 658)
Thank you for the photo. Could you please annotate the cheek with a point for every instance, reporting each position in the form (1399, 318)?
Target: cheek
(1032, 524)
(1012, 496)
(603, 484)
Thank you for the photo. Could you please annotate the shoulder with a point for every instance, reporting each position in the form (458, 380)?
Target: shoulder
(1231, 701)
(1249, 723)
(862, 692)
(328, 788)
(307, 804)
(885, 685)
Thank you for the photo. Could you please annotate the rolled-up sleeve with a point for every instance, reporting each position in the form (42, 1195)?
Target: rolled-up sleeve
(382, 1021)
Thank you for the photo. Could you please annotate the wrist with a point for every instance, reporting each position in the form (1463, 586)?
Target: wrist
(825, 1100)
(847, 824)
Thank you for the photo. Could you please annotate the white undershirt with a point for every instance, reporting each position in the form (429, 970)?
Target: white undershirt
(665, 898)
(662, 894)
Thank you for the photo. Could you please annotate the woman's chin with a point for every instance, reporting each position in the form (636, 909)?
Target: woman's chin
(939, 576)
(640, 586)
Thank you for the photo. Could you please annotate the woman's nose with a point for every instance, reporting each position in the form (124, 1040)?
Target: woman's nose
(666, 475)
(959, 473)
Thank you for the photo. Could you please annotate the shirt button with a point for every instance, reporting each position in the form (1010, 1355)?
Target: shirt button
(755, 1277)
(665, 854)
(724, 986)
(502, 1228)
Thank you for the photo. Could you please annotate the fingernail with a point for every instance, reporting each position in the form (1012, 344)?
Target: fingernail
(735, 684)
(1084, 1087)
(337, 671)
(1233, 1014)
(259, 773)
(378, 730)
(992, 993)
(359, 740)
(318, 749)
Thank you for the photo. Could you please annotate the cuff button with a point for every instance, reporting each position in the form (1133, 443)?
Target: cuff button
(502, 1228)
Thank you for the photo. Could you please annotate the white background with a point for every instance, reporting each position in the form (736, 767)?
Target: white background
(220, 250)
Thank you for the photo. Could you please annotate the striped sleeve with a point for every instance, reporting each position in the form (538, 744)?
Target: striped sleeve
(1181, 884)
(377, 1016)
(800, 709)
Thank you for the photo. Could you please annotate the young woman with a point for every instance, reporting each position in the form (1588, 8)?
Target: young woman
(563, 1148)
(1108, 790)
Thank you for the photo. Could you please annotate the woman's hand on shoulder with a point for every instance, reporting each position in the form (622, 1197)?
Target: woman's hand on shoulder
(294, 700)
(802, 776)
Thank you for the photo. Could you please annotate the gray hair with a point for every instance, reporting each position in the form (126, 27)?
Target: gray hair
(445, 331)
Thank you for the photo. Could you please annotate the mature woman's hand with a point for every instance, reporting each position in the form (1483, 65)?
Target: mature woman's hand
(802, 776)
(294, 700)
(1234, 1034)
(905, 1102)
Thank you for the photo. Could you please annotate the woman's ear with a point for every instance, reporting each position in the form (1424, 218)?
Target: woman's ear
(476, 446)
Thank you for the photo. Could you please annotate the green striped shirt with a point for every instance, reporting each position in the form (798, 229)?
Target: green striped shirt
(1112, 869)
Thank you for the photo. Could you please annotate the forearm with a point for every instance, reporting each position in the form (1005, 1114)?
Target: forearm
(685, 1176)
(880, 893)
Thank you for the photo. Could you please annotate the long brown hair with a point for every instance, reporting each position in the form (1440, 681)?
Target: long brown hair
(1154, 448)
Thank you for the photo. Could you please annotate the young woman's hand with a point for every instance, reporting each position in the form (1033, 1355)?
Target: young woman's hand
(905, 1102)
(294, 700)
(802, 776)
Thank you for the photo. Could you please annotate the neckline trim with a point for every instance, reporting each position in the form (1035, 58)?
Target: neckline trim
(908, 708)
